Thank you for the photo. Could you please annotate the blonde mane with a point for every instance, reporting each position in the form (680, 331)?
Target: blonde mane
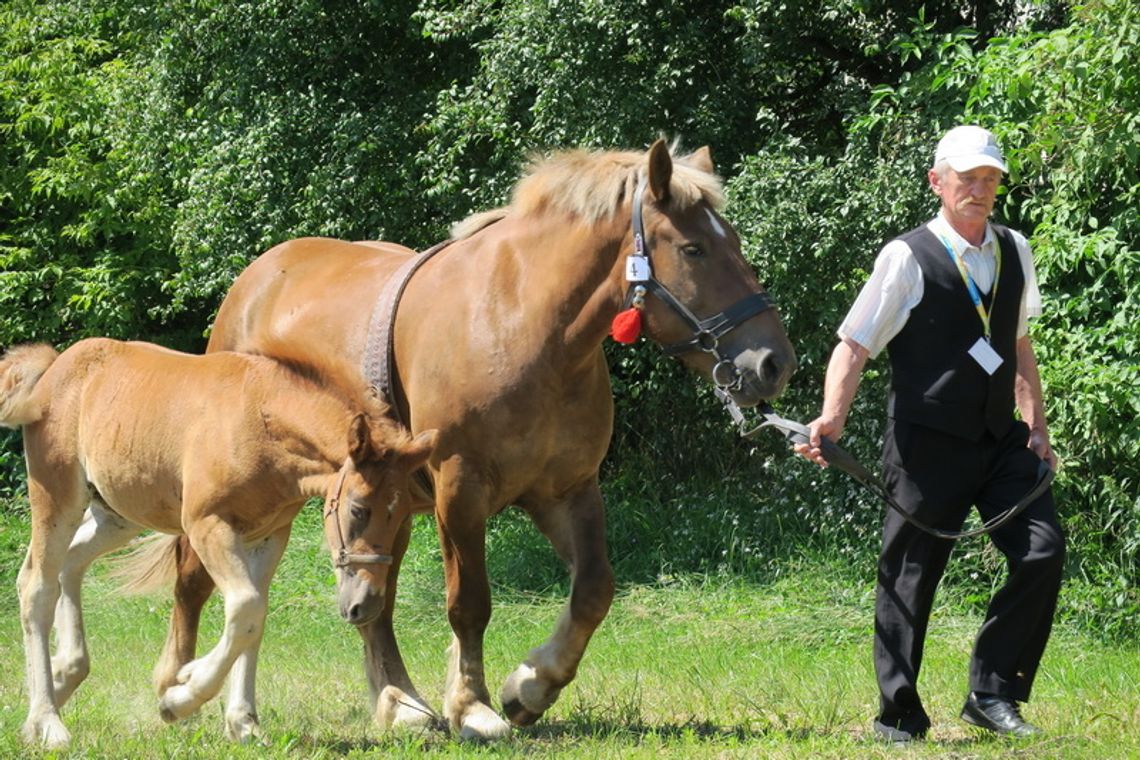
(592, 186)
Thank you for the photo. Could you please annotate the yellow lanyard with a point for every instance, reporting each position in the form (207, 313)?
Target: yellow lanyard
(971, 287)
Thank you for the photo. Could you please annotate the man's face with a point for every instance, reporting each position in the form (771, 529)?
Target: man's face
(967, 196)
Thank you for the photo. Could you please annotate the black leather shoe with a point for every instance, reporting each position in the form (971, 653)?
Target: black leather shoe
(997, 714)
(903, 733)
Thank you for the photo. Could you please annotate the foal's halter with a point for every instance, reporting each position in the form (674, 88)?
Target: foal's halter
(836, 455)
(706, 332)
(344, 557)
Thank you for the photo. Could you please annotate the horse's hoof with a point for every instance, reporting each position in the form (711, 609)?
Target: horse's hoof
(397, 710)
(48, 732)
(525, 696)
(242, 728)
(177, 703)
(481, 723)
(519, 715)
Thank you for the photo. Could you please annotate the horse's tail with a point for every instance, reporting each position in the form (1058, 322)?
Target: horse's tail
(20, 370)
(150, 566)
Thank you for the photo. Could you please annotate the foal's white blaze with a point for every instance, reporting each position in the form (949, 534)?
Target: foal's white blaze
(716, 225)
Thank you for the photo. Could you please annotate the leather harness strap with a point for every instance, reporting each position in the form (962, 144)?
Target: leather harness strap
(379, 362)
(379, 351)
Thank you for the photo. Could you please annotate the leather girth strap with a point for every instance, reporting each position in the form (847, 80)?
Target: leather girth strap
(379, 351)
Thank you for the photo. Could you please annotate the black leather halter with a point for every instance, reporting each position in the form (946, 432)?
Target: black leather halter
(706, 332)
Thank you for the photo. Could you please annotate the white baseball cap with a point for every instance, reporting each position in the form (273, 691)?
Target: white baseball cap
(969, 147)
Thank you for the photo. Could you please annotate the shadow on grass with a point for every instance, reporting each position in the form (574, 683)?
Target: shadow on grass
(578, 733)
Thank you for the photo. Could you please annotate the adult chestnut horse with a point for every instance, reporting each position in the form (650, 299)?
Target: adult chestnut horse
(225, 448)
(498, 344)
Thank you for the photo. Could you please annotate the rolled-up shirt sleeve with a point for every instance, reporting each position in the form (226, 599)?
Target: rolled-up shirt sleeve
(1031, 294)
(886, 300)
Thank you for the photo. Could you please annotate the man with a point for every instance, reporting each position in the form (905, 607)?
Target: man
(950, 301)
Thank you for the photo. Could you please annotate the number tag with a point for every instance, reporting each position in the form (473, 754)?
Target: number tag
(637, 268)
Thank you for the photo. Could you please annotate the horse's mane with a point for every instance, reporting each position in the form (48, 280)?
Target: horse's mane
(338, 381)
(592, 186)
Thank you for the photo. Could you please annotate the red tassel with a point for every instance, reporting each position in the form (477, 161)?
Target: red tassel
(626, 326)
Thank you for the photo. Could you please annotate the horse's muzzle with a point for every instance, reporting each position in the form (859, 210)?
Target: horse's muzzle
(358, 602)
(760, 375)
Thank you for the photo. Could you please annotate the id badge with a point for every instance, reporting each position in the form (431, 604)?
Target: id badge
(985, 356)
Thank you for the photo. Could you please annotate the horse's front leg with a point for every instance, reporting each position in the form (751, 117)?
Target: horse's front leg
(396, 703)
(576, 528)
(242, 723)
(461, 523)
(192, 588)
(243, 578)
(102, 531)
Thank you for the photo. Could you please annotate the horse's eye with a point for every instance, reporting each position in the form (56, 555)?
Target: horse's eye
(360, 514)
(692, 249)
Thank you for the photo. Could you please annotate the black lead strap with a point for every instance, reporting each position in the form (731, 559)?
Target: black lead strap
(841, 459)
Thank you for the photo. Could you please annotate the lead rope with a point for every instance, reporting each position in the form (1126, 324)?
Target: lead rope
(838, 457)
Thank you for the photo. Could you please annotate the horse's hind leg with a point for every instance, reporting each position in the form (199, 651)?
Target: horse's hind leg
(56, 513)
(396, 703)
(576, 528)
(192, 588)
(101, 531)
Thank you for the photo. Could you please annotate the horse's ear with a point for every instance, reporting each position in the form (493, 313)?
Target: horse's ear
(701, 159)
(660, 170)
(359, 438)
(418, 451)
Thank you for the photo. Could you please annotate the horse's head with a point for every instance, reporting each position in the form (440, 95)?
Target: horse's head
(702, 301)
(367, 505)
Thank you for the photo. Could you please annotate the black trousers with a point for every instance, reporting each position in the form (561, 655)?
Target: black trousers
(938, 478)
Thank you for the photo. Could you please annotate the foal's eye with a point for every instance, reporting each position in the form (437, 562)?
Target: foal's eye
(360, 514)
(692, 249)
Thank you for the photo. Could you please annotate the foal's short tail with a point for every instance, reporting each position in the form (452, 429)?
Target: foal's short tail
(20, 370)
(150, 566)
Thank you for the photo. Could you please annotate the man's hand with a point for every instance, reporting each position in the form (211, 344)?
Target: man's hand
(1039, 442)
(820, 426)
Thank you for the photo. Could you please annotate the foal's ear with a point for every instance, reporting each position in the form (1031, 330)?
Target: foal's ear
(660, 170)
(419, 450)
(359, 438)
(701, 159)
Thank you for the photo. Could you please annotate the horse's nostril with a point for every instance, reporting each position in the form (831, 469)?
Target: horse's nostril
(769, 368)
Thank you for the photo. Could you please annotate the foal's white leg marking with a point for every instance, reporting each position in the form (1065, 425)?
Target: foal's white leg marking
(242, 723)
(716, 225)
(244, 589)
(100, 532)
(468, 717)
(54, 523)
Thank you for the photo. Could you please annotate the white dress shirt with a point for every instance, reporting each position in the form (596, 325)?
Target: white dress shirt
(896, 285)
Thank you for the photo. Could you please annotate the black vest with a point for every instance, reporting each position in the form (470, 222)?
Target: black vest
(934, 380)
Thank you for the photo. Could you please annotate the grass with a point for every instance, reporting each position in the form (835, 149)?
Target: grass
(682, 668)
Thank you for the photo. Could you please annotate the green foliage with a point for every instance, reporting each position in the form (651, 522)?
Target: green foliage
(1071, 134)
(75, 255)
(1077, 182)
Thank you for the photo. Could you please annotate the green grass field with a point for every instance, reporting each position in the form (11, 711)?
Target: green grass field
(681, 668)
